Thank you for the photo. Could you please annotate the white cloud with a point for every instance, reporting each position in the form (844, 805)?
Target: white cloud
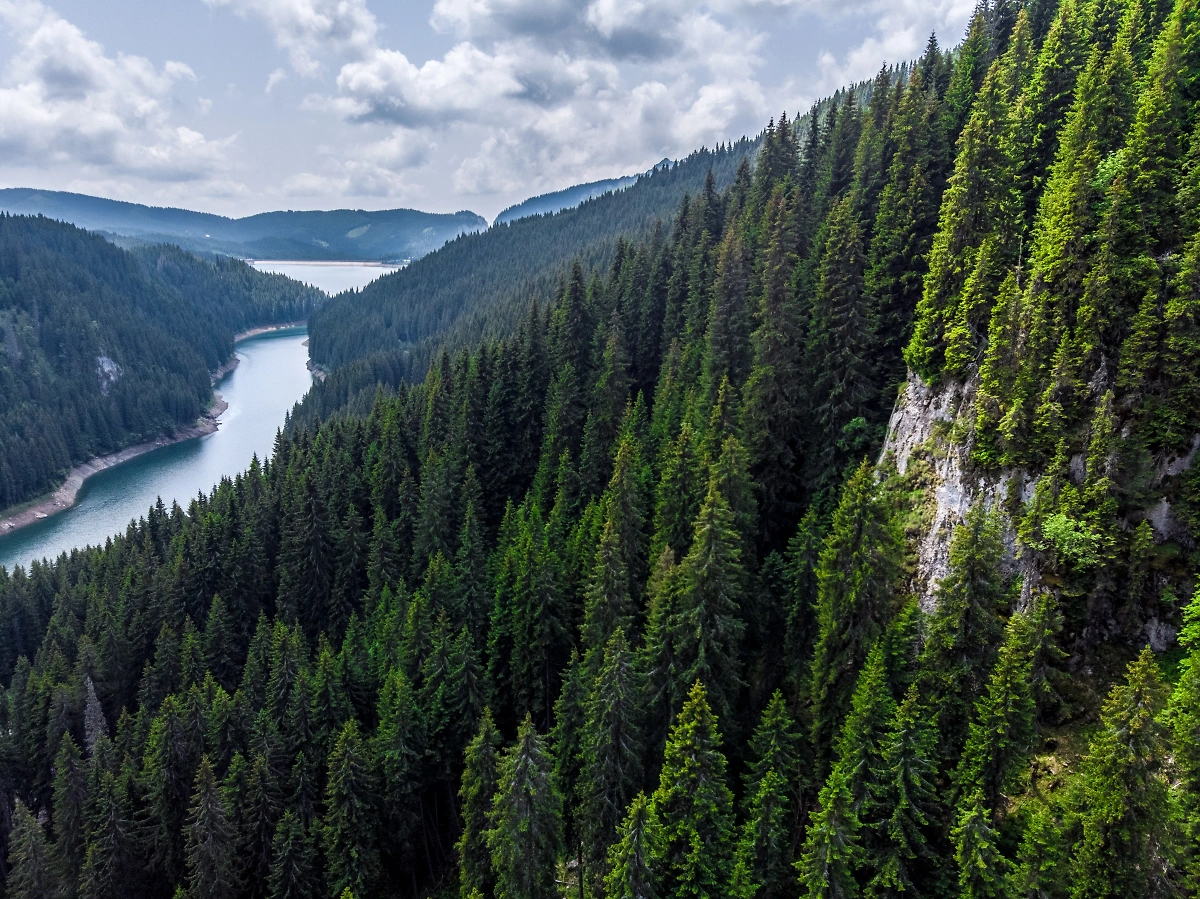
(274, 79)
(63, 101)
(310, 29)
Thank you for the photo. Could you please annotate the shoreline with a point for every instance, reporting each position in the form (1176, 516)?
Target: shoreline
(39, 509)
(66, 495)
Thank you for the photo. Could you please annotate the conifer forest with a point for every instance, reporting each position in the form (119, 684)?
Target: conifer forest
(836, 538)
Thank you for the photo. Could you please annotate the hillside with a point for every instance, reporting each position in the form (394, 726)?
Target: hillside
(548, 204)
(101, 348)
(340, 234)
(481, 284)
(838, 540)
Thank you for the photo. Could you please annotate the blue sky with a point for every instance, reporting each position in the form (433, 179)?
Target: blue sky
(239, 106)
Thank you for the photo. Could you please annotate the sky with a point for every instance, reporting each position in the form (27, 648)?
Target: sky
(243, 106)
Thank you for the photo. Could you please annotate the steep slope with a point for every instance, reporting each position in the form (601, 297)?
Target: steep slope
(341, 234)
(623, 604)
(100, 348)
(548, 204)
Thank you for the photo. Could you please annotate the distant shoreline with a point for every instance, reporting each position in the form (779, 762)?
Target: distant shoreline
(324, 263)
(66, 495)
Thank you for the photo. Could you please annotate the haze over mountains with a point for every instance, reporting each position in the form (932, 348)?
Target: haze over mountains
(392, 235)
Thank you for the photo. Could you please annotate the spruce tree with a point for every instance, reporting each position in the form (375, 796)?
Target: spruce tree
(349, 830)
(611, 749)
(856, 572)
(632, 860)
(694, 806)
(479, 780)
(832, 852)
(211, 841)
(294, 872)
(706, 625)
(31, 874)
(903, 806)
(982, 870)
(838, 361)
(70, 809)
(963, 633)
(526, 834)
(1124, 800)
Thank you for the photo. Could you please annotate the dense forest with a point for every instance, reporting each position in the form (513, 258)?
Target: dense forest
(622, 605)
(101, 348)
(480, 284)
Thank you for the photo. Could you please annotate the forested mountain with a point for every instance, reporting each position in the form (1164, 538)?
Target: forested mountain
(481, 284)
(346, 234)
(548, 204)
(621, 605)
(101, 348)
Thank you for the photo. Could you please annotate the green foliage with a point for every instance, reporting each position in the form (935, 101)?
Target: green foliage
(526, 835)
(694, 806)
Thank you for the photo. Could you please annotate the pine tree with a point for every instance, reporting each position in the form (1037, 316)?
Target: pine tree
(706, 626)
(982, 870)
(1124, 800)
(211, 841)
(832, 852)
(479, 780)
(611, 749)
(858, 566)
(32, 874)
(294, 872)
(679, 495)
(694, 805)
(349, 830)
(632, 860)
(526, 835)
(107, 866)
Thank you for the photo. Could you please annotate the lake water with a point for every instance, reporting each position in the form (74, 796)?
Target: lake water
(331, 277)
(270, 378)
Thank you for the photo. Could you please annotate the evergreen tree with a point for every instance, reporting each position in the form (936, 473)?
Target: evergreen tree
(294, 872)
(211, 841)
(1124, 799)
(349, 830)
(479, 780)
(526, 835)
(632, 867)
(611, 749)
(981, 868)
(70, 810)
(32, 874)
(839, 363)
(831, 850)
(694, 805)
(858, 566)
(963, 633)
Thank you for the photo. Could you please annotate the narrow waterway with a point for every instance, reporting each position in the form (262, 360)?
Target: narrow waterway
(271, 377)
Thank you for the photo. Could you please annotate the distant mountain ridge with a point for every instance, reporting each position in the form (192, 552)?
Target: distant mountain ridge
(340, 234)
(570, 197)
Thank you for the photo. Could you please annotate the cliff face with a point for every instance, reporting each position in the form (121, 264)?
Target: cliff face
(929, 441)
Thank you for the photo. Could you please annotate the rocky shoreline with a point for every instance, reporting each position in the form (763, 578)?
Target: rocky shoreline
(65, 496)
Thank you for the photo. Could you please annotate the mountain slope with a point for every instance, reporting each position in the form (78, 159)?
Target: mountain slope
(341, 234)
(629, 603)
(548, 204)
(482, 283)
(101, 348)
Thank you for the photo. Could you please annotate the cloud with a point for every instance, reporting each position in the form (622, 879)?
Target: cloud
(274, 79)
(63, 101)
(310, 29)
